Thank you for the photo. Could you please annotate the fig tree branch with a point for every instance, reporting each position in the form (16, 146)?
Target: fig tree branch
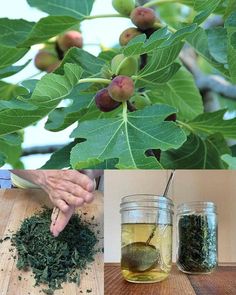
(95, 80)
(89, 17)
(47, 149)
(214, 83)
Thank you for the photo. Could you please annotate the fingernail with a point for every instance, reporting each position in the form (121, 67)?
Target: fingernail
(55, 233)
(90, 186)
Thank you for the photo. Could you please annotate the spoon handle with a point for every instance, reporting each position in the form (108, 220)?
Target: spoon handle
(164, 195)
(168, 183)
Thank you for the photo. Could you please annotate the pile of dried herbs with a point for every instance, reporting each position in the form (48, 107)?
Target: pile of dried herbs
(54, 260)
(197, 250)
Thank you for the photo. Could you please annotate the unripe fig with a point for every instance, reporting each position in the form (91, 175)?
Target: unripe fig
(126, 66)
(140, 101)
(128, 35)
(123, 6)
(121, 88)
(44, 59)
(144, 18)
(104, 102)
(70, 39)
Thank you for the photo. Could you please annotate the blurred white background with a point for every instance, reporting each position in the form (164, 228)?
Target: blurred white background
(96, 32)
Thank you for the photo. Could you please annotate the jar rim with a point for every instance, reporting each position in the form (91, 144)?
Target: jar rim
(134, 201)
(196, 205)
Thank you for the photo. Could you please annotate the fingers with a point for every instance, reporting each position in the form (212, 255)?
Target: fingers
(61, 222)
(73, 176)
(69, 188)
(63, 200)
(61, 204)
(75, 190)
(81, 179)
(71, 200)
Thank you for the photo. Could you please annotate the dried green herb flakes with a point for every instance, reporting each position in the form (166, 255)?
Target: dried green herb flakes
(54, 260)
(197, 250)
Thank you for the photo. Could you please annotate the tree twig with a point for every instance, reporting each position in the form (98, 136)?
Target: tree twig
(214, 83)
(213, 22)
(48, 149)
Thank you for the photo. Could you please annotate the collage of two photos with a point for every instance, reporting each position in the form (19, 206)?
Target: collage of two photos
(117, 147)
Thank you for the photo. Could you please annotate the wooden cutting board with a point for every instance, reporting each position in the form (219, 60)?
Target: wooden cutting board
(17, 204)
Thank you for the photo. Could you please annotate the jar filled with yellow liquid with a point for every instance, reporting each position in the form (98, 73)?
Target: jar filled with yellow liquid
(146, 238)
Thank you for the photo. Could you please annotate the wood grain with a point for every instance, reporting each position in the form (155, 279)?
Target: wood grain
(17, 204)
(221, 282)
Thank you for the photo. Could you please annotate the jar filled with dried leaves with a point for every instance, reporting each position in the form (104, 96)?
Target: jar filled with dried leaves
(197, 245)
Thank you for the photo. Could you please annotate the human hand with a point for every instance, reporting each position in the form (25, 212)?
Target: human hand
(67, 188)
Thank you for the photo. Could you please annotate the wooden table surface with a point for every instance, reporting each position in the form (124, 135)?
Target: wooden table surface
(221, 282)
(17, 204)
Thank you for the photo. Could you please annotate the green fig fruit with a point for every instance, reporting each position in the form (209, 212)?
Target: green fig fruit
(124, 7)
(126, 66)
(140, 101)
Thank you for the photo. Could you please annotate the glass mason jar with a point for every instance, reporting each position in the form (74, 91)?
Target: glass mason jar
(197, 247)
(146, 238)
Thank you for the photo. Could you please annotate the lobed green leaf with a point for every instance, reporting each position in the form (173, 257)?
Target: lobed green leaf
(49, 91)
(160, 38)
(60, 159)
(9, 55)
(197, 153)
(126, 138)
(10, 147)
(181, 93)
(206, 8)
(199, 41)
(14, 31)
(90, 64)
(211, 123)
(47, 28)
(218, 50)
(230, 25)
(9, 91)
(74, 8)
(161, 66)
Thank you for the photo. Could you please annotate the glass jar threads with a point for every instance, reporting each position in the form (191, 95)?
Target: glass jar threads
(197, 237)
(146, 238)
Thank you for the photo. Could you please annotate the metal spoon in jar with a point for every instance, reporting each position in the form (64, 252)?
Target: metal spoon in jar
(141, 256)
